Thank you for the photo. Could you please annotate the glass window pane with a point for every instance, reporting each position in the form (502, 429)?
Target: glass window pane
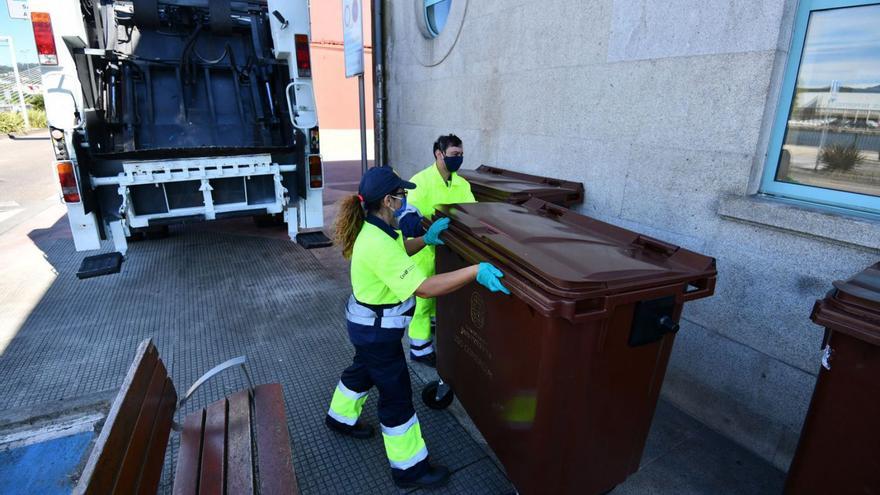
(832, 139)
(437, 15)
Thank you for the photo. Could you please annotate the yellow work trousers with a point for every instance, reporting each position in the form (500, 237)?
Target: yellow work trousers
(421, 340)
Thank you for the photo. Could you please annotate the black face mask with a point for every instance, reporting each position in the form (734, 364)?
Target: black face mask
(453, 163)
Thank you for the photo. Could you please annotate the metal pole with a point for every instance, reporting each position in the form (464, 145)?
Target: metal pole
(24, 114)
(832, 98)
(378, 84)
(363, 123)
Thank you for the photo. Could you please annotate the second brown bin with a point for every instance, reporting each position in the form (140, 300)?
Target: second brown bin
(562, 378)
(506, 186)
(839, 448)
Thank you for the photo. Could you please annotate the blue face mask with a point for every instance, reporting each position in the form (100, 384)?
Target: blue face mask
(398, 212)
(453, 163)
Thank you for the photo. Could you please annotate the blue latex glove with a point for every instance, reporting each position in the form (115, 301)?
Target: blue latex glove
(432, 236)
(490, 277)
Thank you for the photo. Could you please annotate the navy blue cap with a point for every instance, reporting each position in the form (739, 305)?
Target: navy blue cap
(380, 181)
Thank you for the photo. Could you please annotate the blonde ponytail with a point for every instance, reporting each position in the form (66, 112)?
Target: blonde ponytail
(349, 221)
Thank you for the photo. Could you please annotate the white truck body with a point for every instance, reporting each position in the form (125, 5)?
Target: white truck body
(154, 127)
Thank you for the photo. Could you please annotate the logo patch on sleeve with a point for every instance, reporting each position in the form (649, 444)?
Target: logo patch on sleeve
(407, 271)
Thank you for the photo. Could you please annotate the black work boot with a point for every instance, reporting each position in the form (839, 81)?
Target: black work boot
(434, 477)
(360, 429)
(427, 359)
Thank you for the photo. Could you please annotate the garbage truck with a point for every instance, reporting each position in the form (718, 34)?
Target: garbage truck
(171, 111)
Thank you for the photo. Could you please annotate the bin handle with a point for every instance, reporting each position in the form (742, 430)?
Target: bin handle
(590, 314)
(658, 246)
(549, 210)
(703, 288)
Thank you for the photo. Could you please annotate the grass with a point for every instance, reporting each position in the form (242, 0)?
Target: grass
(13, 121)
(37, 118)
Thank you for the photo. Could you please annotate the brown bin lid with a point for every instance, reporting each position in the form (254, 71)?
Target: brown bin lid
(503, 184)
(854, 306)
(568, 253)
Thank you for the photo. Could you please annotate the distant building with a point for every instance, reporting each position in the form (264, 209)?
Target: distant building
(337, 97)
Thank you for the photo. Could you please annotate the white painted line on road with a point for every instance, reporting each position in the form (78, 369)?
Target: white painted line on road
(6, 215)
(9, 204)
(64, 427)
(31, 211)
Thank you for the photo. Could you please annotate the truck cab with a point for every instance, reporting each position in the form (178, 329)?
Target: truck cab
(171, 111)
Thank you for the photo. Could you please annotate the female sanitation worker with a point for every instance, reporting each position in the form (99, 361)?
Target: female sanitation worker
(385, 281)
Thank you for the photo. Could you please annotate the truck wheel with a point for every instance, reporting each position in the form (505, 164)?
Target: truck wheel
(429, 397)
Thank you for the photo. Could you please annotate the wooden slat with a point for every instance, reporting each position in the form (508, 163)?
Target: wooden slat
(212, 476)
(189, 456)
(133, 456)
(273, 442)
(239, 464)
(152, 472)
(99, 474)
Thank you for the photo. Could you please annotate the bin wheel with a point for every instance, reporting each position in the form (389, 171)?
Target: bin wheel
(429, 397)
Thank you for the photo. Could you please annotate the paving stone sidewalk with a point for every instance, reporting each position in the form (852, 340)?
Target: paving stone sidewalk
(204, 297)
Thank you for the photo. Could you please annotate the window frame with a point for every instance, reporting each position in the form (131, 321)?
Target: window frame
(428, 25)
(828, 199)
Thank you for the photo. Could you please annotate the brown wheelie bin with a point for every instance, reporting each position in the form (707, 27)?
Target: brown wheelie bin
(506, 186)
(839, 449)
(562, 377)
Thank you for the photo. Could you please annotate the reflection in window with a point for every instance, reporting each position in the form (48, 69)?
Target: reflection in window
(832, 139)
(436, 13)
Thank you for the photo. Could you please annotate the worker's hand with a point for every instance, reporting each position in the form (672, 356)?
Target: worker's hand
(490, 277)
(432, 236)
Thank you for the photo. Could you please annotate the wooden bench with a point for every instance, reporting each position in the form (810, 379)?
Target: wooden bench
(237, 445)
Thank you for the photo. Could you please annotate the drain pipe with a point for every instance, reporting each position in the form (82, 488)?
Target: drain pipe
(379, 130)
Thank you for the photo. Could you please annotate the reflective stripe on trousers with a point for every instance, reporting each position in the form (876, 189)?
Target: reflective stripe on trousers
(404, 444)
(394, 317)
(418, 347)
(346, 405)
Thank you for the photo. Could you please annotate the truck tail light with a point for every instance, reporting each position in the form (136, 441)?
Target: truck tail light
(44, 38)
(316, 172)
(67, 178)
(303, 56)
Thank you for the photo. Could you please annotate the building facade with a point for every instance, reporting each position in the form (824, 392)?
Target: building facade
(336, 95)
(707, 124)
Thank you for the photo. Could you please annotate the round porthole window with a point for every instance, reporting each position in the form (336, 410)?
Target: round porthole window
(436, 28)
(436, 14)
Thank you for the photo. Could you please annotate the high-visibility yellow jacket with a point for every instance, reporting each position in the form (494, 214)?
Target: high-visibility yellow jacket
(431, 191)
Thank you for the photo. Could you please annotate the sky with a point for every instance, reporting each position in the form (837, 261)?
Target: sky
(843, 45)
(22, 36)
